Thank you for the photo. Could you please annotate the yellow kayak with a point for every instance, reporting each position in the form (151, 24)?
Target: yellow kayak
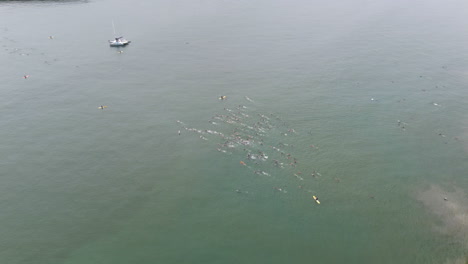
(316, 199)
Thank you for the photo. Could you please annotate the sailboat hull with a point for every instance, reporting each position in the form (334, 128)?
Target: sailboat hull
(119, 43)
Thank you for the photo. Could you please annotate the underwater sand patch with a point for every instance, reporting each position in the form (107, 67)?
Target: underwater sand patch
(464, 136)
(450, 209)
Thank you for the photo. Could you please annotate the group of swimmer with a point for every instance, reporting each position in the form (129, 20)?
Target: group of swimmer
(249, 131)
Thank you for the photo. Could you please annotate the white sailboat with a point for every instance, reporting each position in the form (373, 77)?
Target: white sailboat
(118, 41)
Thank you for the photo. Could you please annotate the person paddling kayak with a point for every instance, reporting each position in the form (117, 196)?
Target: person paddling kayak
(316, 199)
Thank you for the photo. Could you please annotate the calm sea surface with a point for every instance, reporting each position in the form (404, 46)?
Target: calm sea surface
(363, 104)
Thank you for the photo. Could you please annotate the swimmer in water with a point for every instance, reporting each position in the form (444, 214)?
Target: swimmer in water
(222, 97)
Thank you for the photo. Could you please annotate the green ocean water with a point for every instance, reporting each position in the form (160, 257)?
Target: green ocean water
(368, 97)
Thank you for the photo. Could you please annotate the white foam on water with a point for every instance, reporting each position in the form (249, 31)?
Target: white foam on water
(248, 99)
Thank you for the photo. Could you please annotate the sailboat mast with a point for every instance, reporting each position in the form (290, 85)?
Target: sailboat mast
(113, 27)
